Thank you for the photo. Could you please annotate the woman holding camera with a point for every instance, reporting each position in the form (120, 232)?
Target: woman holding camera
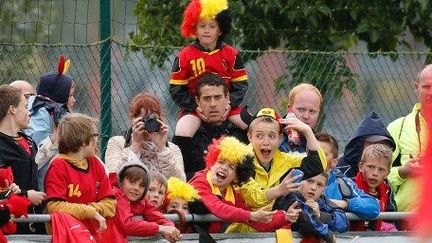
(147, 139)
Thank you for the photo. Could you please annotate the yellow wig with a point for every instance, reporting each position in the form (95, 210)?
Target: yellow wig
(211, 8)
(181, 189)
(228, 149)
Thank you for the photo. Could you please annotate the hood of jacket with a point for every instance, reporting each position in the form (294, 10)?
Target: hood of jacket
(371, 125)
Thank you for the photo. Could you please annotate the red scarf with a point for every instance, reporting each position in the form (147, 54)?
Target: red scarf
(382, 197)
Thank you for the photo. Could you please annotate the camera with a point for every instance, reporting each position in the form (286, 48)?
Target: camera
(151, 123)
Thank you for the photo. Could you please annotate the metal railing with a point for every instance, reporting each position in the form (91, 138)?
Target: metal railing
(45, 218)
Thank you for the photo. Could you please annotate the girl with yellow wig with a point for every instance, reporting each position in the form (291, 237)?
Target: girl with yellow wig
(179, 195)
(229, 163)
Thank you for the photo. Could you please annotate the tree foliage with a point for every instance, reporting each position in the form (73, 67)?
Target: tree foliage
(318, 26)
(19, 24)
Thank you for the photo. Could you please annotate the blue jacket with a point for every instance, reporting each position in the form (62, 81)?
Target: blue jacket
(371, 125)
(43, 114)
(332, 218)
(341, 187)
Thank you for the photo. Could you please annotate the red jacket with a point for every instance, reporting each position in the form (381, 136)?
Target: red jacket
(139, 218)
(227, 211)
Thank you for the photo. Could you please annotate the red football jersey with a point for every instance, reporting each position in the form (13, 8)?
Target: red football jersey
(194, 62)
(67, 182)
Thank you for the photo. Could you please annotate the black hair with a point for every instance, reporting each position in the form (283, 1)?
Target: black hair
(245, 170)
(210, 79)
(224, 20)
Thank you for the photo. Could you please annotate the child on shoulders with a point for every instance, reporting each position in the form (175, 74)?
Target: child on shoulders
(209, 22)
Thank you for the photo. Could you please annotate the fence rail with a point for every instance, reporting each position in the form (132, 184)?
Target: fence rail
(45, 218)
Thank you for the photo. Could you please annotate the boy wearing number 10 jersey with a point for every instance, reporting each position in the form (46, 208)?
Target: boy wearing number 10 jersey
(208, 22)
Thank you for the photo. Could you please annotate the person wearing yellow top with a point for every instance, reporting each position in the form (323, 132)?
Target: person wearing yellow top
(271, 165)
(410, 135)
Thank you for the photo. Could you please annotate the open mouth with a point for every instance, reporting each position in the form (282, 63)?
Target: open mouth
(266, 152)
(220, 175)
(311, 195)
(154, 202)
(373, 181)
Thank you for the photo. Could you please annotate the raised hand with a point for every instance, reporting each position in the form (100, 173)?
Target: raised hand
(292, 213)
(315, 207)
(288, 184)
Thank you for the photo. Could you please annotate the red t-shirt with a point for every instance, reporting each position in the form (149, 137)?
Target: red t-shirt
(194, 62)
(66, 182)
(24, 144)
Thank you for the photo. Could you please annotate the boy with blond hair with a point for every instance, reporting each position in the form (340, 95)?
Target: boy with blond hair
(76, 182)
(157, 190)
(374, 168)
(340, 189)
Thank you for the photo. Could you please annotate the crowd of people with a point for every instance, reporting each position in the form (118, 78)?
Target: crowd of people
(258, 172)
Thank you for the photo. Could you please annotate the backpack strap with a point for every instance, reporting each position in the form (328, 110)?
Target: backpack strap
(397, 161)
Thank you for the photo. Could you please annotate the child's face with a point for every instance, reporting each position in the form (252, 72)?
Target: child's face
(92, 148)
(208, 33)
(223, 174)
(71, 100)
(133, 190)
(331, 158)
(374, 170)
(313, 187)
(178, 204)
(156, 193)
(265, 140)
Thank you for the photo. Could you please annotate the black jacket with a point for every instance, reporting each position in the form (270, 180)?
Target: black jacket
(23, 165)
(24, 169)
(371, 125)
(194, 149)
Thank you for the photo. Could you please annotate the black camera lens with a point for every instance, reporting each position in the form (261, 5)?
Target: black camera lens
(151, 123)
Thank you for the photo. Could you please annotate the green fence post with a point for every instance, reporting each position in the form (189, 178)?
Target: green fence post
(105, 73)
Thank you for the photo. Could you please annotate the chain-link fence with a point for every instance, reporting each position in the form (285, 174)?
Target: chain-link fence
(382, 84)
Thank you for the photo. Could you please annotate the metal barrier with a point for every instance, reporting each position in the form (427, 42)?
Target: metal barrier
(44, 218)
